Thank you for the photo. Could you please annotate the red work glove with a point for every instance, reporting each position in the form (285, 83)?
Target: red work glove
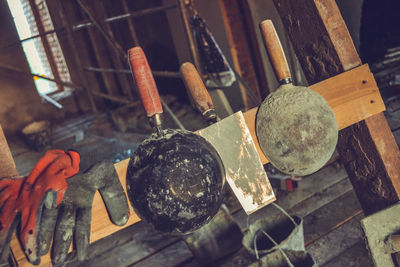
(22, 199)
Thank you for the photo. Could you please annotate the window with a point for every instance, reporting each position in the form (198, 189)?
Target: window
(36, 33)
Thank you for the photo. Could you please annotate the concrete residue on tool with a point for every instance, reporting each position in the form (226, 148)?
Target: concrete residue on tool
(244, 171)
(296, 129)
(175, 185)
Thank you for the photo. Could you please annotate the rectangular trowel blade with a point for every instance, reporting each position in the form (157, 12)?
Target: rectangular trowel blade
(243, 167)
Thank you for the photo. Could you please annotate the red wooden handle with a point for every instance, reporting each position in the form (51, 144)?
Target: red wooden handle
(145, 81)
(196, 88)
(274, 49)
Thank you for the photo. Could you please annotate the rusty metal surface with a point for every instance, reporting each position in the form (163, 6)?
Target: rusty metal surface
(244, 171)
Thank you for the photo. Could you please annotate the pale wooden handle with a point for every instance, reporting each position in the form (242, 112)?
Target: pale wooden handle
(144, 79)
(274, 49)
(7, 165)
(196, 87)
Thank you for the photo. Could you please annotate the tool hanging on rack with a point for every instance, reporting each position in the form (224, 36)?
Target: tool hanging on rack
(213, 62)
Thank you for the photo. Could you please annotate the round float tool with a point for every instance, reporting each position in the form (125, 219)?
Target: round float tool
(296, 128)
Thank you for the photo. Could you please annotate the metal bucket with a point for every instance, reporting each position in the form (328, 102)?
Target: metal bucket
(220, 237)
(286, 232)
(37, 134)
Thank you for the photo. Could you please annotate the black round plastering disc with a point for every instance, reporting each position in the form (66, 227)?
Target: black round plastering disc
(176, 181)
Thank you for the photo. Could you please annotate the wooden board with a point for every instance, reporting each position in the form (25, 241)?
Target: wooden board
(353, 96)
(351, 99)
(338, 240)
(354, 256)
(7, 165)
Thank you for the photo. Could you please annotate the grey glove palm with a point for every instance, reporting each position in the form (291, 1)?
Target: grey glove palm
(73, 216)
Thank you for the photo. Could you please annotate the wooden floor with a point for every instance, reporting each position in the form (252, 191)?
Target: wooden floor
(325, 200)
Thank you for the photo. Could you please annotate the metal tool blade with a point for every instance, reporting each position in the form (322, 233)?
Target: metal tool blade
(244, 170)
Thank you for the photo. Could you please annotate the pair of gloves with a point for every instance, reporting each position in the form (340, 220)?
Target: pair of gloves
(54, 203)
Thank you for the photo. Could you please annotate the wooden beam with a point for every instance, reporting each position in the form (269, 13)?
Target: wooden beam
(7, 170)
(45, 42)
(76, 58)
(116, 58)
(188, 30)
(244, 48)
(7, 164)
(368, 149)
(102, 55)
(130, 24)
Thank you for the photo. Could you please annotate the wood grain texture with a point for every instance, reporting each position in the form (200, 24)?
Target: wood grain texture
(275, 50)
(327, 217)
(354, 256)
(373, 174)
(352, 95)
(340, 239)
(368, 149)
(310, 38)
(138, 242)
(7, 164)
(197, 90)
(145, 82)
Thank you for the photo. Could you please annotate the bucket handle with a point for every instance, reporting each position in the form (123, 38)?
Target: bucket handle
(285, 212)
(276, 245)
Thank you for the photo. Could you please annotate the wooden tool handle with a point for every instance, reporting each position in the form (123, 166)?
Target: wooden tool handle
(145, 81)
(196, 87)
(275, 50)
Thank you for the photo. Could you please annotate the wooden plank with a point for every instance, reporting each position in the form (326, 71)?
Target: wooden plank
(101, 53)
(130, 24)
(333, 244)
(354, 256)
(173, 255)
(323, 220)
(7, 164)
(240, 49)
(126, 247)
(329, 181)
(116, 57)
(321, 198)
(74, 48)
(46, 45)
(353, 96)
(368, 149)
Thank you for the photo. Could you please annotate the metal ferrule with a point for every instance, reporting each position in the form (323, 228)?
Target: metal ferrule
(210, 116)
(286, 81)
(156, 122)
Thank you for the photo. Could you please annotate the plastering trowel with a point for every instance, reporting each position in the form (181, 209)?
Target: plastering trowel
(232, 139)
